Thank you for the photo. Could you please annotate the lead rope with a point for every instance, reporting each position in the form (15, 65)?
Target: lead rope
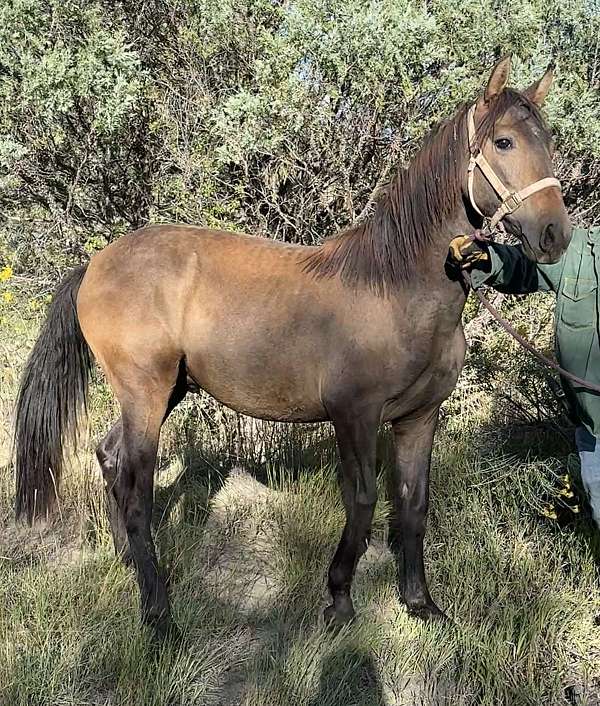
(524, 342)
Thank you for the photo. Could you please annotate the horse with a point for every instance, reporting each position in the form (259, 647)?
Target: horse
(361, 330)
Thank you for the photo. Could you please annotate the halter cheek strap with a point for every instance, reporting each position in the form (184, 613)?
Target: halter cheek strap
(509, 200)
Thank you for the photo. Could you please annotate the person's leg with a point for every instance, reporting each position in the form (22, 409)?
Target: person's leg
(588, 447)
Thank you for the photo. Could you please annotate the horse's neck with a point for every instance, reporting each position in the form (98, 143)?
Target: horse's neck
(447, 294)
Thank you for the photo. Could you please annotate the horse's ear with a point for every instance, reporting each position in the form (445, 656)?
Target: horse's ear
(498, 79)
(538, 91)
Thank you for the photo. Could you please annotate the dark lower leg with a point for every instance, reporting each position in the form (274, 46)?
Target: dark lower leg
(356, 443)
(135, 495)
(108, 455)
(353, 544)
(410, 496)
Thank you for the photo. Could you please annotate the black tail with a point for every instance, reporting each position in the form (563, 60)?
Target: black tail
(52, 394)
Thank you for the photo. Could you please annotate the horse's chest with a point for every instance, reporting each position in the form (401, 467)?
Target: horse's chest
(427, 380)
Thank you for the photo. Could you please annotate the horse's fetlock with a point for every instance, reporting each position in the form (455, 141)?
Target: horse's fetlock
(338, 581)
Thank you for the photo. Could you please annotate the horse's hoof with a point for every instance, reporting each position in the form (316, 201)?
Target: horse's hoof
(428, 612)
(336, 619)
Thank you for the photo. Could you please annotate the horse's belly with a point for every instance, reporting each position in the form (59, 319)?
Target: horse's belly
(259, 391)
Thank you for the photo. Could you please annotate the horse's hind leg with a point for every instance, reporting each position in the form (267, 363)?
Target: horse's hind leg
(357, 438)
(107, 453)
(144, 393)
(409, 490)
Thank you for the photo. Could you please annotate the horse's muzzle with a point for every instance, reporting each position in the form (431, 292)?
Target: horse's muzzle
(554, 240)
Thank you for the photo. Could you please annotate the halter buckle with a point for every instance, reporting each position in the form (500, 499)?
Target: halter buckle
(512, 202)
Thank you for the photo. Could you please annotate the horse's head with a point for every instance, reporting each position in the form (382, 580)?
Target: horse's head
(510, 177)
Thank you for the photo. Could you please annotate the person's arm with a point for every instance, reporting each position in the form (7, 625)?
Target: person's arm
(504, 267)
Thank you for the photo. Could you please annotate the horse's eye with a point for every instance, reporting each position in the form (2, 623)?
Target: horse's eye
(504, 143)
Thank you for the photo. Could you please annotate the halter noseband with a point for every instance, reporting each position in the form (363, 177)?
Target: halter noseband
(509, 200)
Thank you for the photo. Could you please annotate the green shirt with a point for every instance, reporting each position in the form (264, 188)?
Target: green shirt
(574, 279)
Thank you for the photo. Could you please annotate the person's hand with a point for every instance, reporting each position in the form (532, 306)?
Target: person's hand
(465, 253)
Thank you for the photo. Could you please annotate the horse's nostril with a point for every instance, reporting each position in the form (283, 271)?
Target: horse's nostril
(548, 237)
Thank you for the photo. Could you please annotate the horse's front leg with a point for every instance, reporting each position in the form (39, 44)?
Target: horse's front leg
(357, 439)
(409, 491)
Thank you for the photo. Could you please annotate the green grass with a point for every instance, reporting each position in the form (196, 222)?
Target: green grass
(247, 564)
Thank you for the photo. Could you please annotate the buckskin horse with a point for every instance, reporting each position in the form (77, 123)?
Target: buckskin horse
(361, 330)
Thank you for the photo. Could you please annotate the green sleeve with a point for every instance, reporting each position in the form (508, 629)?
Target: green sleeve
(512, 272)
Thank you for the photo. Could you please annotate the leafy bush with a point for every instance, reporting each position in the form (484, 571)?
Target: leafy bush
(270, 117)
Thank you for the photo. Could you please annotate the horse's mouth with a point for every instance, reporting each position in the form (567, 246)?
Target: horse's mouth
(534, 253)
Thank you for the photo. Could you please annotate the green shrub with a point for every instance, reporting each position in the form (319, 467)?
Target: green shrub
(278, 118)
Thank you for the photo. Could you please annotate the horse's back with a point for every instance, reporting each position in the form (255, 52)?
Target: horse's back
(148, 271)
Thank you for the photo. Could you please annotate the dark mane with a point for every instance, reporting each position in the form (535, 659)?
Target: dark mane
(382, 251)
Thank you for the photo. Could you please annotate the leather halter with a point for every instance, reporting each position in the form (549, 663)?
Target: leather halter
(509, 200)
